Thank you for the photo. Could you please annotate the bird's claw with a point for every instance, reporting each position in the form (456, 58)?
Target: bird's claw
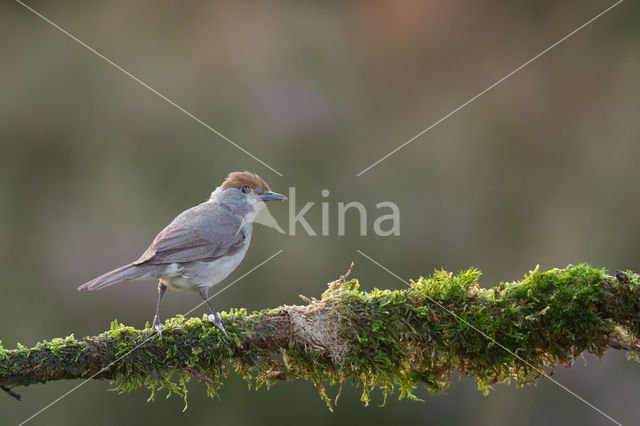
(253, 358)
(217, 320)
(158, 326)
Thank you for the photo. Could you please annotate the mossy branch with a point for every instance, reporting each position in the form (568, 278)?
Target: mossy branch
(382, 339)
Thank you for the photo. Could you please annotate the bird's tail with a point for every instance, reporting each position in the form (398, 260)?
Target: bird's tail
(126, 272)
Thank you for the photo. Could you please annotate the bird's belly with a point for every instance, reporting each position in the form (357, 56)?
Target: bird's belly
(192, 275)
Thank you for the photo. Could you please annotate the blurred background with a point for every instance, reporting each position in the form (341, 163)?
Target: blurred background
(542, 170)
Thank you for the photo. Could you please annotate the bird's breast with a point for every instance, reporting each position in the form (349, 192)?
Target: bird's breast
(192, 275)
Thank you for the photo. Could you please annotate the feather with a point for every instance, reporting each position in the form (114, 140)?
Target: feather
(203, 233)
(239, 179)
(126, 272)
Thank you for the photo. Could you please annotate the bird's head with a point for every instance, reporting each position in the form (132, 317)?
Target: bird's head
(251, 186)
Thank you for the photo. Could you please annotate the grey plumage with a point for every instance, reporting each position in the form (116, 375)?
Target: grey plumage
(126, 272)
(202, 233)
(202, 245)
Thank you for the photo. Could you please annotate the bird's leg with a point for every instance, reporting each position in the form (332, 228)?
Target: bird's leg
(215, 317)
(156, 320)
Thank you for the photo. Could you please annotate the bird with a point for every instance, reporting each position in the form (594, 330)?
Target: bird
(201, 246)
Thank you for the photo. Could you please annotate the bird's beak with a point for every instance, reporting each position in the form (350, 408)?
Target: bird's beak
(272, 196)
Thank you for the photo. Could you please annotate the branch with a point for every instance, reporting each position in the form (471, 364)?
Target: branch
(382, 338)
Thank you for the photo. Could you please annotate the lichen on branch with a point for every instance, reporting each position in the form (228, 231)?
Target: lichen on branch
(387, 339)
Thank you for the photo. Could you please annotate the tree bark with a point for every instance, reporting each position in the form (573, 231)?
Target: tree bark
(514, 332)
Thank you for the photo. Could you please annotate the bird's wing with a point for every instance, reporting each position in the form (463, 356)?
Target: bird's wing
(202, 233)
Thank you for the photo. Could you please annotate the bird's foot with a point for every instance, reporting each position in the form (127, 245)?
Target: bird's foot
(253, 358)
(218, 322)
(158, 326)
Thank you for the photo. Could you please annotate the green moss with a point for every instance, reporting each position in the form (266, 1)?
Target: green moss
(391, 340)
(511, 333)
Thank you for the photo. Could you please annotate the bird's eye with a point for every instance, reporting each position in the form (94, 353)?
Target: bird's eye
(245, 189)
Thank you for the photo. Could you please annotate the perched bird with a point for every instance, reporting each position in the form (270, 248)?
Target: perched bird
(202, 245)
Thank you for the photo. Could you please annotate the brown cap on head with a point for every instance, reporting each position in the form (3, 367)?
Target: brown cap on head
(239, 179)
